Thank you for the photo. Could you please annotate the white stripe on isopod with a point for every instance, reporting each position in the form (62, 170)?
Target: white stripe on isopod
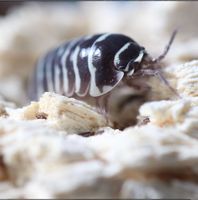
(76, 70)
(64, 67)
(58, 71)
(140, 56)
(94, 90)
(57, 79)
(137, 60)
(117, 55)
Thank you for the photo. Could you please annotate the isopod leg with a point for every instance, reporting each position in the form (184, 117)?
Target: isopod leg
(102, 106)
(97, 105)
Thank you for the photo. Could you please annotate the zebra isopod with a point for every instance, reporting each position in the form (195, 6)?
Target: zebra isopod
(93, 65)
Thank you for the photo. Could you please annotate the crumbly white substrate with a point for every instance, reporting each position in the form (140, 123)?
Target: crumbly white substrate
(42, 154)
(46, 158)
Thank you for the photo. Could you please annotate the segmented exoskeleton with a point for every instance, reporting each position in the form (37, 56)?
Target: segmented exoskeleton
(93, 66)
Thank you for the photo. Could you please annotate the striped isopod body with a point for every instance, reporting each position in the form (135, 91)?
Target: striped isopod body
(90, 66)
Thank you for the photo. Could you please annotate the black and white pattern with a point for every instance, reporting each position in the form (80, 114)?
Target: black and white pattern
(91, 65)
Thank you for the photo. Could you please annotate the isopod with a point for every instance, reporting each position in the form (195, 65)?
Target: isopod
(93, 66)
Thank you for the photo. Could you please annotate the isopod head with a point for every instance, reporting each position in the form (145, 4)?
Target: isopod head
(129, 58)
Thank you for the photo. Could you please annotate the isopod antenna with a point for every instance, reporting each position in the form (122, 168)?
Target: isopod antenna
(154, 62)
(167, 48)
